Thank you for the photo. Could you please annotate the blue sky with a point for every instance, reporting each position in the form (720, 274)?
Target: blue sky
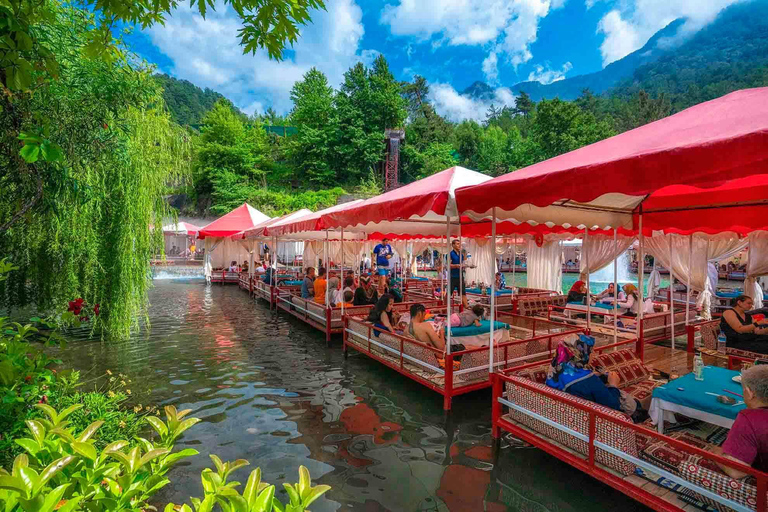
(452, 43)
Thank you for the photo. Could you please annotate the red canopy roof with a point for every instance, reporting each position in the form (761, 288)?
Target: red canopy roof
(181, 228)
(704, 146)
(432, 194)
(309, 222)
(241, 218)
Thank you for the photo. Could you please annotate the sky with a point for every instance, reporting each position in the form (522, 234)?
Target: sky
(452, 43)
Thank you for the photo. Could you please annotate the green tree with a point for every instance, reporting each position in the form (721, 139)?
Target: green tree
(493, 152)
(562, 126)
(466, 140)
(524, 105)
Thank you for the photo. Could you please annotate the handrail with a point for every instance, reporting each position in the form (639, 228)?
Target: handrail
(762, 478)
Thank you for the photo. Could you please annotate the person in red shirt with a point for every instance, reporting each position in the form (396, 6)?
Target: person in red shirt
(747, 441)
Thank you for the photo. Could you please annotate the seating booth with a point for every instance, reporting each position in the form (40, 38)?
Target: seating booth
(675, 184)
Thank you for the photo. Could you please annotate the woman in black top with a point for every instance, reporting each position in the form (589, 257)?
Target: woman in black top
(740, 331)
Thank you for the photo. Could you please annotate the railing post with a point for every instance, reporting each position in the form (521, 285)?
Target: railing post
(762, 488)
(640, 340)
(448, 382)
(369, 338)
(534, 327)
(327, 326)
(691, 336)
(592, 430)
(497, 385)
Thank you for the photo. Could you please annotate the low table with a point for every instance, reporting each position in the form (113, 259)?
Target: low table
(694, 402)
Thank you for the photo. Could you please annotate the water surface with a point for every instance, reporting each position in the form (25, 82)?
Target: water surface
(268, 390)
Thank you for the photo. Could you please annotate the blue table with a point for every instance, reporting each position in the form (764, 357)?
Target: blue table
(695, 402)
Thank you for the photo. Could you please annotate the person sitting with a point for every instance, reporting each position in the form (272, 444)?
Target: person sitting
(747, 441)
(268, 276)
(348, 297)
(394, 290)
(333, 287)
(320, 286)
(233, 266)
(308, 285)
(382, 315)
(468, 317)
(244, 266)
(578, 293)
(366, 294)
(741, 332)
(501, 282)
(569, 372)
(348, 287)
(632, 302)
(351, 274)
(608, 293)
(423, 331)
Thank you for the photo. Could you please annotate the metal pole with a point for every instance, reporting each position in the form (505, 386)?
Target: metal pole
(448, 278)
(671, 294)
(493, 288)
(641, 269)
(341, 274)
(514, 263)
(326, 262)
(688, 284)
(461, 268)
(585, 250)
(615, 285)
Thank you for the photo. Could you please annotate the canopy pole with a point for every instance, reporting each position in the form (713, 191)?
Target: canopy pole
(461, 269)
(514, 264)
(688, 284)
(671, 294)
(327, 268)
(640, 278)
(341, 274)
(615, 286)
(585, 247)
(448, 278)
(493, 288)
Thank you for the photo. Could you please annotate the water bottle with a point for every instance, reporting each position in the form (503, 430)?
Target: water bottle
(698, 367)
(721, 343)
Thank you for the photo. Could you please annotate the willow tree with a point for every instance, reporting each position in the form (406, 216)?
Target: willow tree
(85, 163)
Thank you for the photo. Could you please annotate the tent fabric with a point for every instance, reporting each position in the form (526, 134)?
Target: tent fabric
(309, 225)
(181, 228)
(431, 199)
(545, 266)
(757, 265)
(259, 231)
(600, 185)
(601, 251)
(241, 218)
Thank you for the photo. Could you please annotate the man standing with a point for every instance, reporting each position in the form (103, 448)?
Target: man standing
(383, 253)
(308, 286)
(457, 271)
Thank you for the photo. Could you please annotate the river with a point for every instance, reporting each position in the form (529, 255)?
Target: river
(268, 390)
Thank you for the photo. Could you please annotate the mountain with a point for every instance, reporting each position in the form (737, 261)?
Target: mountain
(730, 48)
(187, 102)
(729, 54)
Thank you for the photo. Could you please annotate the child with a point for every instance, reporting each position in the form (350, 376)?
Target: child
(468, 317)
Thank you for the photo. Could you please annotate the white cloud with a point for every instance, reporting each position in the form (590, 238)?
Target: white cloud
(628, 28)
(491, 68)
(207, 53)
(449, 103)
(368, 56)
(547, 75)
(512, 24)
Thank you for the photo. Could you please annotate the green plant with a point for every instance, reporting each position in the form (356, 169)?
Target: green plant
(63, 469)
(257, 496)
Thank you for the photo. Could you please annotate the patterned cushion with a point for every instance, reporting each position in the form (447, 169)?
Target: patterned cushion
(536, 374)
(624, 362)
(719, 483)
(608, 432)
(743, 353)
(709, 333)
(660, 453)
(642, 389)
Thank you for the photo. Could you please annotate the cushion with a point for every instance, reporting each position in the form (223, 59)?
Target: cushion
(661, 454)
(624, 362)
(719, 483)
(473, 330)
(643, 389)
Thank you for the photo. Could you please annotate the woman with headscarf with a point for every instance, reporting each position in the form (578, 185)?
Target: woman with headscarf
(632, 302)
(578, 293)
(569, 372)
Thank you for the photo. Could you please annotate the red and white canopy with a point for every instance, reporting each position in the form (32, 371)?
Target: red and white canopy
(605, 185)
(310, 225)
(419, 209)
(260, 231)
(180, 229)
(241, 218)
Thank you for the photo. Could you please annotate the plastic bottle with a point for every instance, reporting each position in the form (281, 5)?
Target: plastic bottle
(721, 343)
(698, 367)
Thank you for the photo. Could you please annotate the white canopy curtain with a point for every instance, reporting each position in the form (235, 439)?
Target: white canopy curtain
(602, 251)
(545, 267)
(417, 248)
(706, 248)
(483, 260)
(757, 265)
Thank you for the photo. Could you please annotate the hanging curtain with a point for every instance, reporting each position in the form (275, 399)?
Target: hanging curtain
(654, 282)
(706, 248)
(545, 267)
(483, 259)
(602, 251)
(308, 255)
(757, 265)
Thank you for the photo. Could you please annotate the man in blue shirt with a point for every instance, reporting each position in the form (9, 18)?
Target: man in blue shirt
(308, 285)
(382, 252)
(457, 264)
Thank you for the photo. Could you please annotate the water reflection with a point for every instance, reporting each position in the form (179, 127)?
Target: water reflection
(269, 391)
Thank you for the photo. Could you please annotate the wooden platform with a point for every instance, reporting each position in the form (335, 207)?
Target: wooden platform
(668, 360)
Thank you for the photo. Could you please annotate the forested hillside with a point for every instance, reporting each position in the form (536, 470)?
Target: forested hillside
(187, 102)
